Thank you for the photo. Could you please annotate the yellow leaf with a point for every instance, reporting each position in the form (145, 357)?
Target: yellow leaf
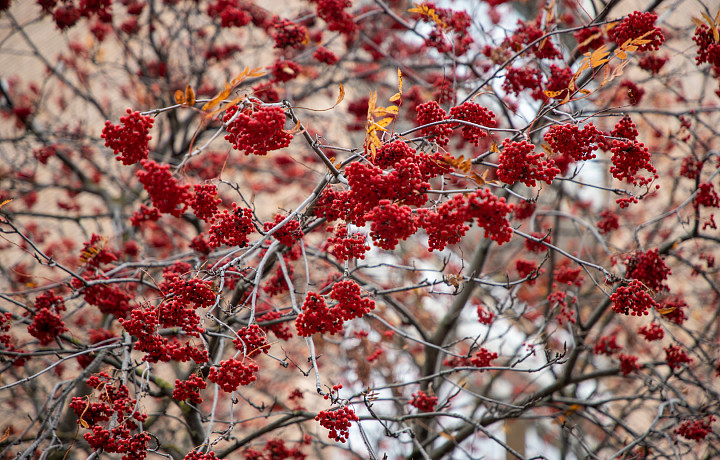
(341, 95)
(6, 435)
(598, 57)
(84, 424)
(621, 54)
(384, 122)
(697, 22)
(631, 48)
(5, 202)
(179, 97)
(590, 39)
(189, 95)
(395, 97)
(585, 91)
(552, 94)
(399, 81)
(222, 95)
(296, 129)
(494, 148)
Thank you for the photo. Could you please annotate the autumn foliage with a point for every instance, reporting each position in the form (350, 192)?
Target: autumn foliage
(373, 229)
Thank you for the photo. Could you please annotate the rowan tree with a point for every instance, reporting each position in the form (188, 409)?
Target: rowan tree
(359, 229)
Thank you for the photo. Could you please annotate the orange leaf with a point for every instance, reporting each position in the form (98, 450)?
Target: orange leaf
(179, 97)
(189, 95)
(341, 95)
(222, 95)
(5, 202)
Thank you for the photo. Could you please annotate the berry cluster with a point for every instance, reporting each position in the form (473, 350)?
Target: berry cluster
(338, 20)
(197, 455)
(608, 222)
(632, 299)
(518, 163)
(144, 214)
(288, 234)
(629, 157)
(166, 193)
(524, 209)
(653, 63)
(230, 12)
(485, 316)
(129, 141)
(527, 268)
(708, 49)
(110, 299)
(423, 402)
(483, 358)
(346, 247)
(628, 363)
(231, 228)
(638, 25)
(288, 34)
(537, 243)
(527, 33)
(279, 328)
(569, 276)
(232, 373)
(676, 357)
(283, 70)
(648, 268)
(607, 345)
(445, 22)
(518, 79)
(390, 224)
(251, 339)
(391, 153)
(325, 56)
(187, 390)
(316, 317)
(673, 309)
(431, 112)
(275, 449)
(651, 332)
(589, 39)
(706, 196)
(95, 253)
(205, 201)
(695, 430)
(491, 212)
(570, 141)
(446, 225)
(47, 320)
(350, 304)
(473, 113)
(257, 131)
(114, 403)
(338, 421)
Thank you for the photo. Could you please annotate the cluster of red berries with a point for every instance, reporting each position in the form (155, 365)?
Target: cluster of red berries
(651, 332)
(632, 299)
(673, 309)
(288, 34)
(346, 247)
(67, 14)
(473, 113)
(47, 321)
(144, 214)
(445, 22)
(288, 234)
(197, 455)
(230, 12)
(280, 329)
(570, 141)
(188, 390)
(446, 225)
(129, 140)
(258, 130)
(707, 196)
(708, 49)
(483, 358)
(607, 345)
(251, 339)
(569, 276)
(485, 316)
(166, 193)
(283, 70)
(325, 56)
(608, 222)
(628, 158)
(109, 298)
(527, 33)
(695, 430)
(338, 20)
(423, 402)
(318, 318)
(676, 357)
(232, 228)
(95, 253)
(205, 201)
(518, 163)
(490, 212)
(628, 363)
(524, 209)
(431, 112)
(338, 421)
(527, 268)
(653, 63)
(114, 403)
(232, 373)
(275, 449)
(638, 25)
(589, 39)
(537, 242)
(648, 268)
(390, 224)
(518, 79)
